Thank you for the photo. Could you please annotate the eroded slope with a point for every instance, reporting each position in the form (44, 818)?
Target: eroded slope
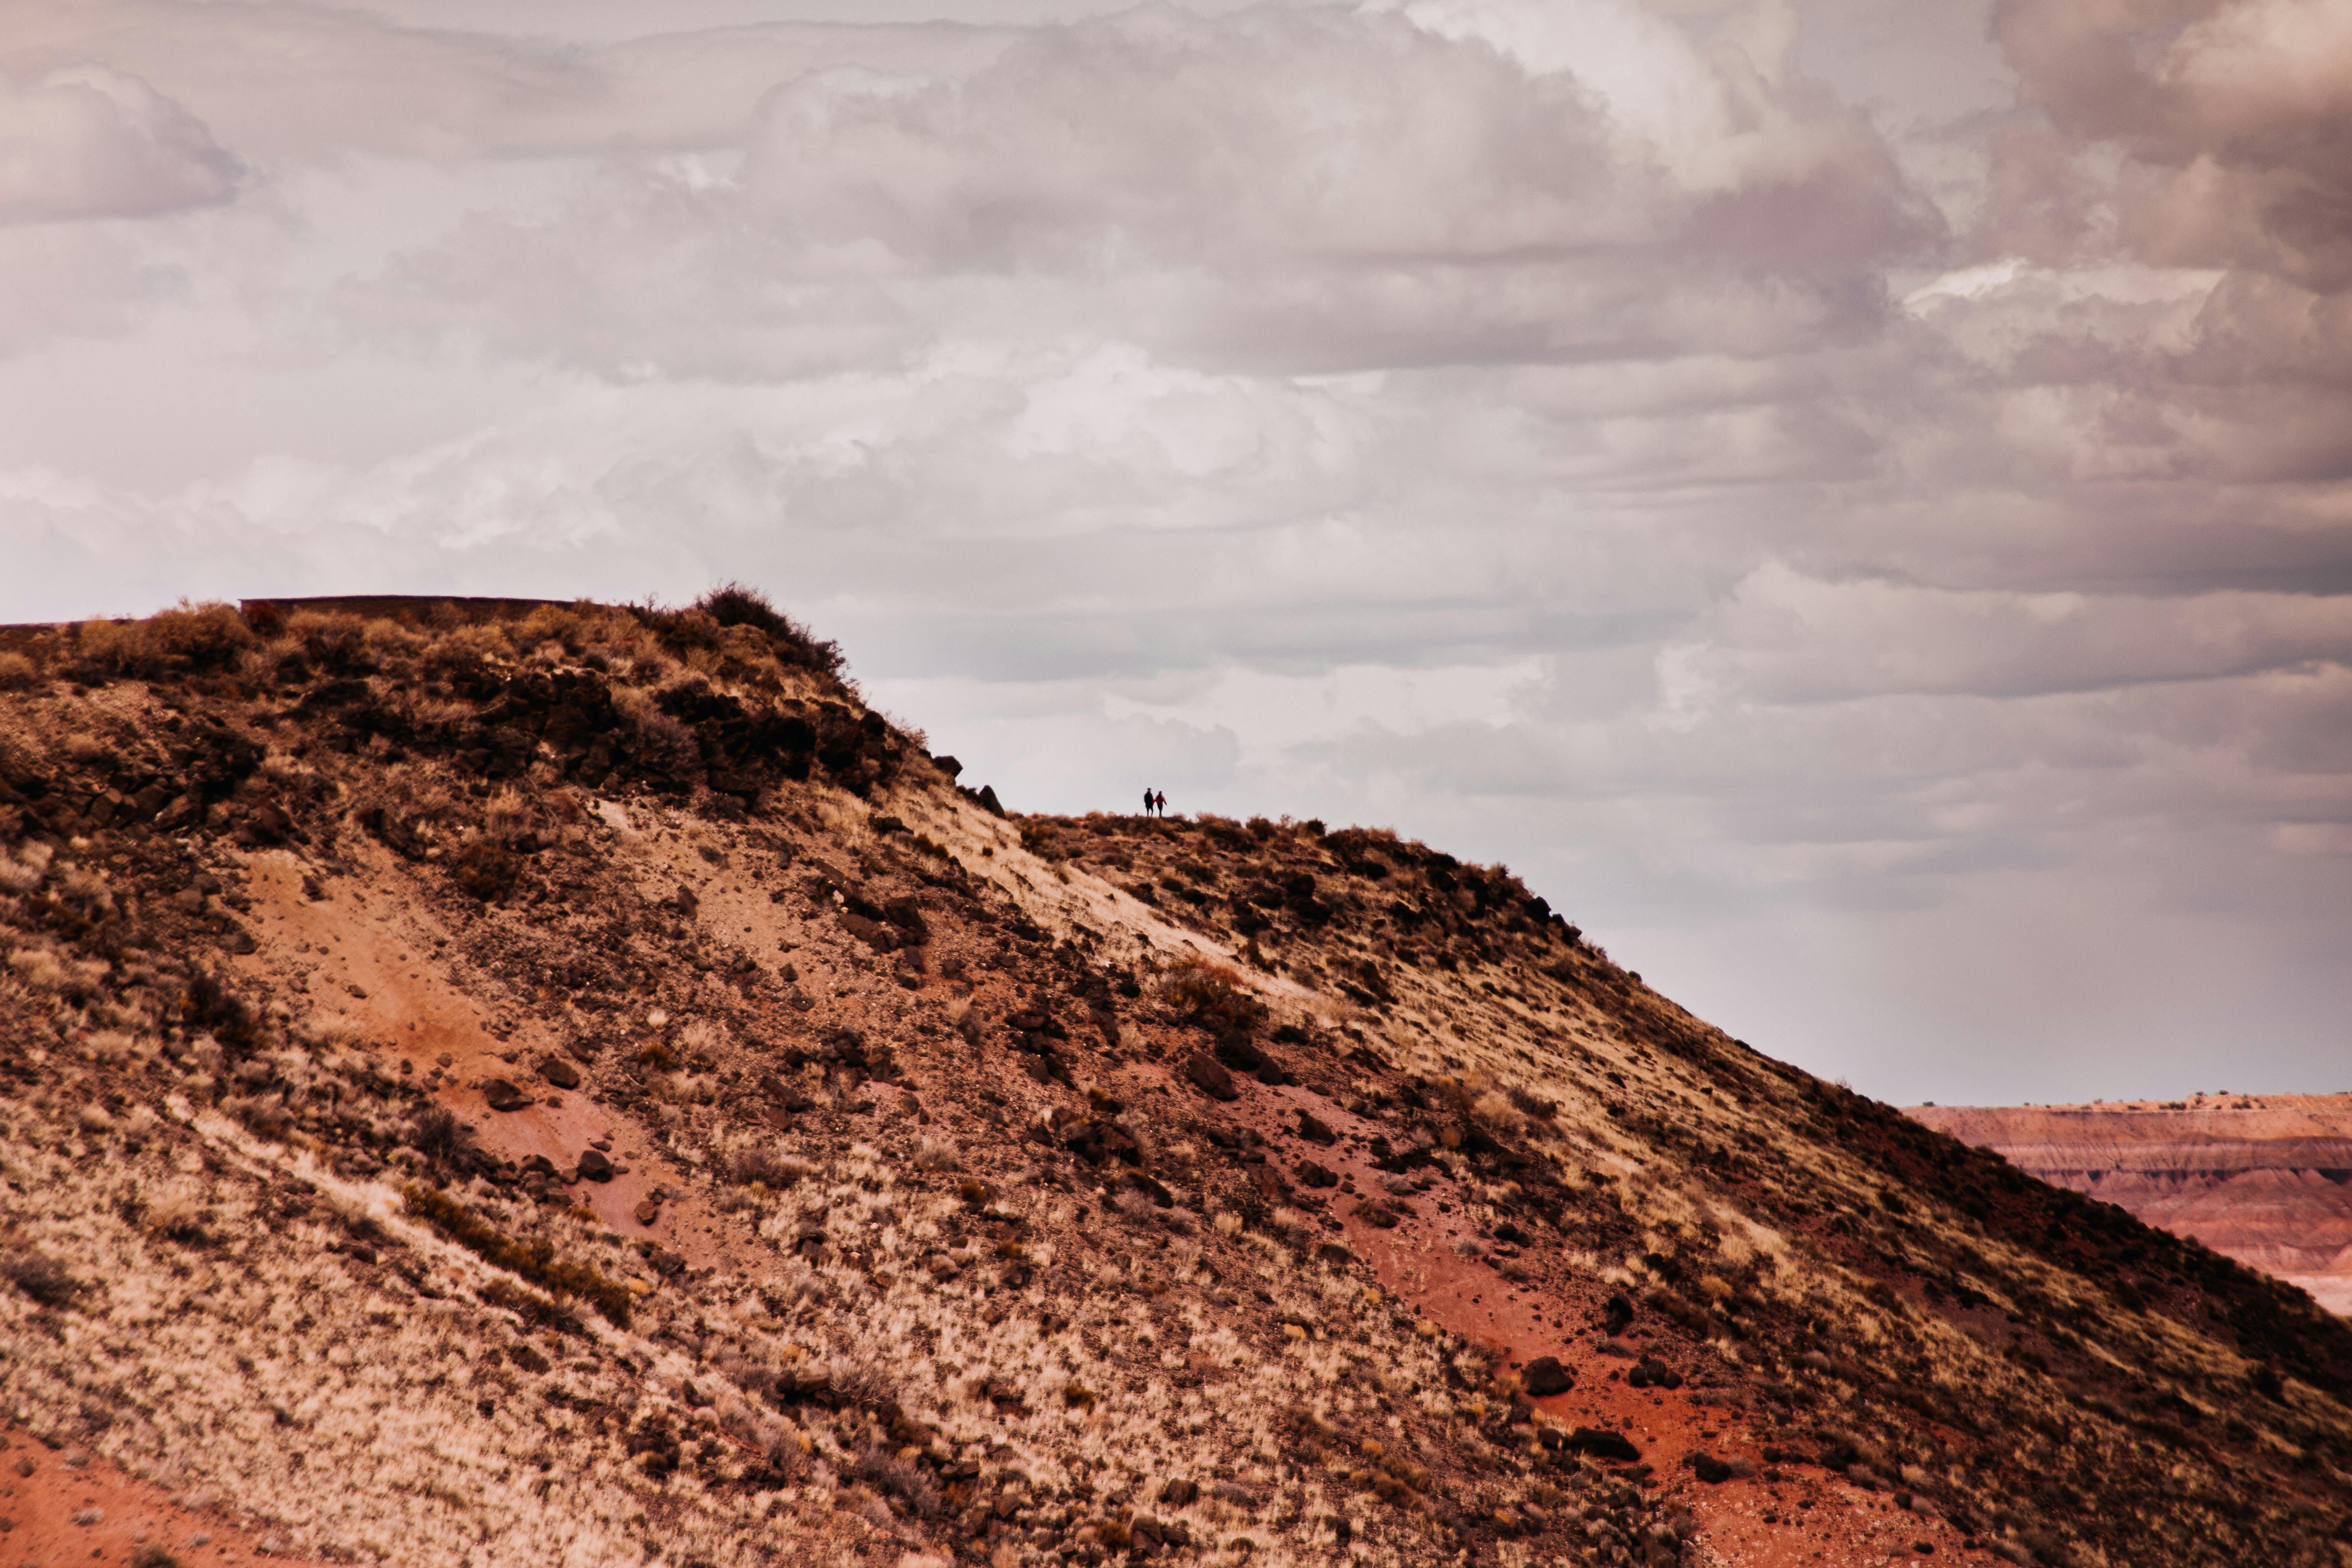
(578, 1084)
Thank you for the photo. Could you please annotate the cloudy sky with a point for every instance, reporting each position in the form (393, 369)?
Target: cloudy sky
(1851, 499)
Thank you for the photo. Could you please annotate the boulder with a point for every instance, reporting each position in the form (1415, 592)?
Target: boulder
(504, 1096)
(595, 1165)
(1603, 1444)
(1209, 1076)
(1545, 1377)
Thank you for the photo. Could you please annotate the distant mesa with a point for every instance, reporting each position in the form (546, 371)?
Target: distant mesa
(2264, 1179)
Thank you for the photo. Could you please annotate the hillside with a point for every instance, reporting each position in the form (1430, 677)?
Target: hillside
(2265, 1179)
(494, 1083)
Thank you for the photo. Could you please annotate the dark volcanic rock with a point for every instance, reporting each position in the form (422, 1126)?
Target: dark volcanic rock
(594, 1166)
(504, 1096)
(1311, 1174)
(1210, 1078)
(1603, 1444)
(1545, 1376)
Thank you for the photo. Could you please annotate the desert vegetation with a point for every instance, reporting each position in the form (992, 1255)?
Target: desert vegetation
(499, 1082)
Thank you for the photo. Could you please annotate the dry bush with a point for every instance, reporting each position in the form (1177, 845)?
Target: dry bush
(441, 1137)
(766, 636)
(534, 1261)
(18, 673)
(334, 641)
(759, 1165)
(189, 636)
(1498, 1113)
(463, 652)
(507, 815)
(486, 869)
(177, 1211)
(388, 639)
(1207, 993)
(41, 1276)
(886, 1473)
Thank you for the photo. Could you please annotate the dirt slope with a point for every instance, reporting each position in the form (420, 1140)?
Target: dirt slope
(2265, 1179)
(510, 1083)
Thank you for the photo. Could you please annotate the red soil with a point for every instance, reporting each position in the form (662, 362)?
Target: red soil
(44, 1494)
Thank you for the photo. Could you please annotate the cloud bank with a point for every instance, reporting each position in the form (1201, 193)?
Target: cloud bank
(1859, 509)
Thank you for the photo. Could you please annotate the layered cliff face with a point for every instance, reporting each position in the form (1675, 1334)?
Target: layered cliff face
(2266, 1179)
(496, 1084)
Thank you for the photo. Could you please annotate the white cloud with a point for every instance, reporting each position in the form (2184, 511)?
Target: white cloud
(87, 142)
(1796, 482)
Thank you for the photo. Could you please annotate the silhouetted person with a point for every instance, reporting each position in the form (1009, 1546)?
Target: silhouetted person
(1147, 803)
(1162, 803)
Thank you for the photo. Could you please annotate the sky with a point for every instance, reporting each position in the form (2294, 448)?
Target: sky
(1852, 501)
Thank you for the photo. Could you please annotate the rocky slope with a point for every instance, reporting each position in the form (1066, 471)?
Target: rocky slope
(497, 1083)
(2265, 1179)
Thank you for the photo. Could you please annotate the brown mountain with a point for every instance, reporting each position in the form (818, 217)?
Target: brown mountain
(2265, 1179)
(497, 1083)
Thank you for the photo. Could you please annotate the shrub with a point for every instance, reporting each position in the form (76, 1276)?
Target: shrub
(41, 1276)
(441, 1137)
(757, 1165)
(189, 636)
(335, 642)
(1205, 995)
(486, 869)
(535, 1261)
(17, 673)
(735, 605)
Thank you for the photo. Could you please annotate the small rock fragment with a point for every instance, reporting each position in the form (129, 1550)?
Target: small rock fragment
(559, 1073)
(594, 1166)
(504, 1096)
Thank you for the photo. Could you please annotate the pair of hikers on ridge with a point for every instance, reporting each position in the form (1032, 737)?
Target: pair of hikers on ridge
(1155, 805)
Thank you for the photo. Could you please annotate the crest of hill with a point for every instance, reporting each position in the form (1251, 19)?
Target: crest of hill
(536, 1078)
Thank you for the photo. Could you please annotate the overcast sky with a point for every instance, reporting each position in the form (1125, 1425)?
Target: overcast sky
(1851, 499)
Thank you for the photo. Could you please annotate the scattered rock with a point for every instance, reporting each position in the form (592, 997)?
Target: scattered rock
(648, 1211)
(595, 1165)
(1710, 1470)
(1311, 1174)
(1603, 1444)
(1652, 1373)
(1545, 1377)
(1315, 1131)
(504, 1096)
(1180, 1494)
(1209, 1076)
(559, 1073)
